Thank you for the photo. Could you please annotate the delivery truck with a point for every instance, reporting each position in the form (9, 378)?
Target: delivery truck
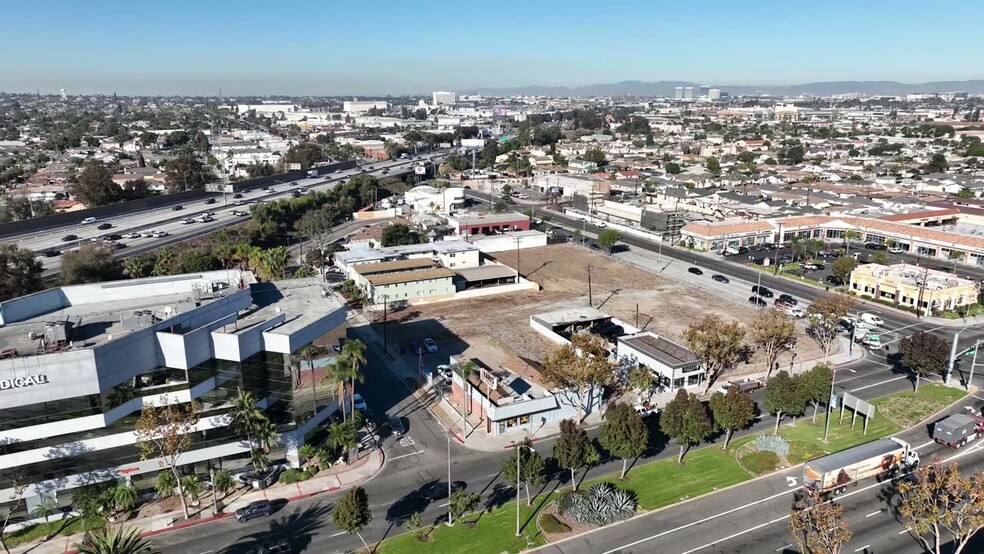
(958, 429)
(880, 458)
(312, 173)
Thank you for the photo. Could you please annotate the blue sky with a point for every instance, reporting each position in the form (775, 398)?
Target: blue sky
(410, 46)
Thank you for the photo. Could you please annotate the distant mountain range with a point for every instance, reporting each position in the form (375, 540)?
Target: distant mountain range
(666, 88)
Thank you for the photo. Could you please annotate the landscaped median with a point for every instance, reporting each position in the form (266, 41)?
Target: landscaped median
(662, 483)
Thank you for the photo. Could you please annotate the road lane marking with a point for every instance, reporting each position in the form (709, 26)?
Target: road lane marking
(781, 548)
(404, 455)
(873, 513)
(865, 547)
(879, 383)
(904, 531)
(340, 533)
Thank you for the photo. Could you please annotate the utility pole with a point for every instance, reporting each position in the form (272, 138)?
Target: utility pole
(830, 402)
(518, 273)
(922, 289)
(953, 356)
(590, 301)
(775, 258)
(385, 327)
(973, 363)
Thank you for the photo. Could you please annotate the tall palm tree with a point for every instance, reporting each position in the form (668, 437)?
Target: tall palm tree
(265, 435)
(134, 267)
(343, 436)
(338, 374)
(849, 235)
(244, 414)
(114, 540)
(354, 353)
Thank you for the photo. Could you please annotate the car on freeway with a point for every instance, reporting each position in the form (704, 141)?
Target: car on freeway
(187, 221)
(359, 403)
(430, 345)
(88, 220)
(237, 195)
(695, 271)
(396, 425)
(872, 319)
(762, 291)
(439, 490)
(177, 208)
(70, 238)
(240, 213)
(645, 410)
(720, 278)
(253, 510)
(787, 299)
(49, 253)
(210, 201)
(104, 226)
(147, 234)
(756, 300)
(133, 235)
(117, 245)
(159, 234)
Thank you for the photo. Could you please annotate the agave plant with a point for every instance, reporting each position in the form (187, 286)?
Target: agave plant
(603, 504)
(772, 443)
(114, 541)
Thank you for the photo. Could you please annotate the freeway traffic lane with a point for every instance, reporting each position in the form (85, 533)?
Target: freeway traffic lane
(751, 517)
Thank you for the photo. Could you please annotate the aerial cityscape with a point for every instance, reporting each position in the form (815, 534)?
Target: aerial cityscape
(491, 279)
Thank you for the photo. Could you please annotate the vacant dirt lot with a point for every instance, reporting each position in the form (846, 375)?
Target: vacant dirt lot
(665, 306)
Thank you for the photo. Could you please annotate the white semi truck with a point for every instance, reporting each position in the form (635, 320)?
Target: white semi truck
(883, 457)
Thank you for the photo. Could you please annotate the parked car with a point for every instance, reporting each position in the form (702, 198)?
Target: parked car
(601, 224)
(746, 384)
(833, 280)
(762, 291)
(396, 425)
(104, 226)
(70, 238)
(787, 299)
(875, 246)
(695, 271)
(253, 510)
(720, 278)
(809, 266)
(646, 410)
(757, 301)
(359, 403)
(895, 250)
(430, 345)
(798, 313)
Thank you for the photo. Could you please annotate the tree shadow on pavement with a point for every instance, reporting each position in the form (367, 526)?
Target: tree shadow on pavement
(412, 502)
(297, 528)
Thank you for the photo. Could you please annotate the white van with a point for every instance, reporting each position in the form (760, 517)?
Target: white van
(872, 319)
(88, 220)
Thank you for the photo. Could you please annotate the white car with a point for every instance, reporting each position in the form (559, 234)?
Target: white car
(88, 220)
(133, 235)
(796, 312)
(147, 234)
(601, 224)
(895, 250)
(187, 221)
(430, 345)
(872, 319)
(159, 234)
(646, 410)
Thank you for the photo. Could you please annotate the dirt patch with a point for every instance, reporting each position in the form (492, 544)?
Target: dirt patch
(576, 527)
(664, 306)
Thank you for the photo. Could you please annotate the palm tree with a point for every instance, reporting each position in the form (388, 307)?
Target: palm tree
(354, 353)
(165, 484)
(265, 434)
(125, 497)
(337, 374)
(222, 482)
(134, 267)
(258, 459)
(849, 235)
(244, 413)
(957, 256)
(797, 247)
(114, 540)
(343, 436)
(192, 487)
(45, 508)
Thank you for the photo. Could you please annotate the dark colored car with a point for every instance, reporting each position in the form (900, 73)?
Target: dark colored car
(114, 236)
(210, 201)
(280, 546)
(439, 490)
(757, 301)
(253, 510)
(720, 278)
(50, 253)
(177, 208)
(762, 291)
(237, 195)
(833, 280)
(396, 425)
(70, 238)
(743, 250)
(416, 348)
(875, 246)
(695, 271)
(104, 226)
(786, 299)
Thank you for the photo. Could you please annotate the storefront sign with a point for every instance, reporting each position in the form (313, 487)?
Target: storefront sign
(21, 382)
(129, 470)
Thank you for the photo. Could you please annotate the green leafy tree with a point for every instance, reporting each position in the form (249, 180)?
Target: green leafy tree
(713, 165)
(774, 333)
(573, 449)
(307, 154)
(937, 163)
(223, 482)
(784, 396)
(793, 155)
(125, 497)
(462, 502)
(318, 226)
(596, 156)
(923, 354)
(114, 540)
(581, 364)
(608, 238)
(343, 436)
(880, 257)
(165, 483)
(165, 432)
(672, 168)
(185, 172)
(352, 513)
(191, 485)
(397, 234)
(44, 508)
(196, 261)
(624, 434)
(91, 263)
(499, 206)
(20, 272)
(732, 411)
(842, 268)
(200, 142)
(966, 192)
(94, 186)
(942, 508)
(164, 262)
(824, 315)
(642, 379)
(532, 468)
(718, 343)
(815, 385)
(685, 419)
(747, 157)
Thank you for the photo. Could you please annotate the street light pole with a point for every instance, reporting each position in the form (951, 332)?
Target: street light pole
(973, 363)
(518, 476)
(953, 356)
(450, 521)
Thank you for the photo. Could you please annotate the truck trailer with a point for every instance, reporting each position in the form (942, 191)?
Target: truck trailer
(312, 173)
(834, 472)
(958, 429)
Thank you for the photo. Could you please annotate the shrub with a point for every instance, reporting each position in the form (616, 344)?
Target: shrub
(603, 504)
(772, 443)
(566, 499)
(291, 476)
(551, 524)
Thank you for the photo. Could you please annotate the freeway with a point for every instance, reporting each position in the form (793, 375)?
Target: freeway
(753, 517)
(170, 221)
(418, 461)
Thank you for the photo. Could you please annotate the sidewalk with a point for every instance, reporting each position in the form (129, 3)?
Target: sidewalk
(327, 481)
